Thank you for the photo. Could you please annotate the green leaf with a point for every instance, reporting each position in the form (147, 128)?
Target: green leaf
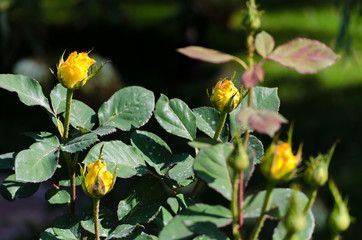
(39, 162)
(7, 160)
(263, 98)
(207, 119)
(190, 217)
(211, 166)
(128, 108)
(105, 222)
(176, 117)
(49, 234)
(67, 226)
(79, 143)
(121, 231)
(58, 97)
(29, 90)
(57, 196)
(156, 151)
(255, 154)
(203, 142)
(143, 204)
(81, 115)
(11, 188)
(264, 43)
(127, 159)
(104, 130)
(304, 55)
(278, 208)
(183, 169)
(209, 231)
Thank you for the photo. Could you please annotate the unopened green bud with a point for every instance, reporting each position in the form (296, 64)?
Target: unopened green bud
(239, 159)
(339, 220)
(316, 174)
(295, 218)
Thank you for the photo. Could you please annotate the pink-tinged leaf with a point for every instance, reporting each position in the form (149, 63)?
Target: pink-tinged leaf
(252, 75)
(206, 54)
(243, 116)
(266, 121)
(304, 55)
(261, 120)
(264, 43)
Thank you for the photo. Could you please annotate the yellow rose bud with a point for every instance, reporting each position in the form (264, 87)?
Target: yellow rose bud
(279, 163)
(73, 73)
(225, 96)
(97, 181)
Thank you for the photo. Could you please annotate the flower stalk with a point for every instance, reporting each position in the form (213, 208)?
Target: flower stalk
(311, 200)
(267, 200)
(96, 217)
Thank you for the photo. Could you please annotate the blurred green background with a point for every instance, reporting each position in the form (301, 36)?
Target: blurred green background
(140, 37)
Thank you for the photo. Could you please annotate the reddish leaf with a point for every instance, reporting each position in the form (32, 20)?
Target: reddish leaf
(261, 120)
(206, 54)
(252, 75)
(264, 43)
(304, 55)
(266, 121)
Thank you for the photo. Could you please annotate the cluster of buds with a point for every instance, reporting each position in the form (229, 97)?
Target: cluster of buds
(279, 164)
(73, 72)
(96, 180)
(225, 96)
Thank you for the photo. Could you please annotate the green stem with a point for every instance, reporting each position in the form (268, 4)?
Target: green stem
(218, 130)
(260, 222)
(67, 114)
(68, 157)
(311, 200)
(235, 208)
(96, 216)
(220, 125)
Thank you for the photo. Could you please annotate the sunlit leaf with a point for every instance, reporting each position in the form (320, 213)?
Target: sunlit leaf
(205, 54)
(304, 55)
(263, 98)
(264, 43)
(179, 227)
(252, 75)
(128, 108)
(176, 117)
(39, 162)
(211, 166)
(29, 90)
(127, 159)
(261, 120)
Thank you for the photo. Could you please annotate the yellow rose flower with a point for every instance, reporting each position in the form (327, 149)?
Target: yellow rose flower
(73, 73)
(225, 96)
(97, 182)
(279, 163)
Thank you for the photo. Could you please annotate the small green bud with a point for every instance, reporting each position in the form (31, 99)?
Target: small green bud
(295, 218)
(316, 174)
(339, 220)
(239, 159)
